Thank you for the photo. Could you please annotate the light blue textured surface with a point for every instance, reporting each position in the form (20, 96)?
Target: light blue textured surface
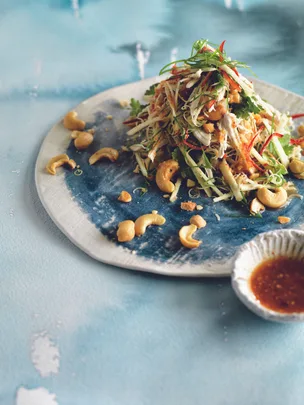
(126, 338)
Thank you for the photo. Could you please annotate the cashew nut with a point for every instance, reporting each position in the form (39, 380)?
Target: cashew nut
(217, 113)
(185, 236)
(271, 199)
(256, 207)
(82, 139)
(300, 176)
(104, 153)
(208, 127)
(164, 173)
(296, 166)
(125, 197)
(58, 161)
(144, 221)
(301, 130)
(71, 121)
(126, 231)
(198, 221)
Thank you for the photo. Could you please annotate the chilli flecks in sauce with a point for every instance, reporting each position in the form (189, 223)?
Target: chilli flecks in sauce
(279, 284)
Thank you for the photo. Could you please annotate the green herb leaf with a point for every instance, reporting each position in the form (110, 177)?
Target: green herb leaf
(246, 107)
(136, 107)
(186, 173)
(285, 142)
(151, 90)
(177, 155)
(204, 60)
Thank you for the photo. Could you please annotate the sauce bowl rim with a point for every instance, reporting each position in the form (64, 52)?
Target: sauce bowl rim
(240, 284)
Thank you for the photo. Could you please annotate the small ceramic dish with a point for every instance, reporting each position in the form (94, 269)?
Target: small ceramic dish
(269, 245)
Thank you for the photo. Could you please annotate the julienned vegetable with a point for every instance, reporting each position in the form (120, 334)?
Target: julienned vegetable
(208, 118)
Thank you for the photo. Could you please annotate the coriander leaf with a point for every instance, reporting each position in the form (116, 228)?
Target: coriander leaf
(186, 173)
(136, 107)
(285, 142)
(177, 155)
(246, 107)
(151, 90)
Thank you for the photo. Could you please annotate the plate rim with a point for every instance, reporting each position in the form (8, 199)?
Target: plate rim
(220, 268)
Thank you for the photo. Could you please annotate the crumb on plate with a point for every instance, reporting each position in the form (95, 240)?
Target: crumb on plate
(188, 206)
(284, 220)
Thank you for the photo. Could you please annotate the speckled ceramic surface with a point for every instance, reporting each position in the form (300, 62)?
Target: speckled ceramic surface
(86, 209)
(76, 331)
(269, 245)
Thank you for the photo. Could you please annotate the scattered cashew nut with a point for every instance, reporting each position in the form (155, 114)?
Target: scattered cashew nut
(58, 161)
(198, 221)
(296, 166)
(185, 236)
(126, 231)
(164, 173)
(144, 221)
(82, 140)
(271, 199)
(256, 207)
(71, 121)
(125, 197)
(104, 153)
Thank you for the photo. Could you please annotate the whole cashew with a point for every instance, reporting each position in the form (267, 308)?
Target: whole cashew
(185, 236)
(71, 121)
(198, 221)
(126, 231)
(144, 221)
(256, 207)
(104, 153)
(164, 173)
(270, 199)
(296, 166)
(58, 161)
(82, 139)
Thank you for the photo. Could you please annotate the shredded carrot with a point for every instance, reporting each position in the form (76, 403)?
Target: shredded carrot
(232, 83)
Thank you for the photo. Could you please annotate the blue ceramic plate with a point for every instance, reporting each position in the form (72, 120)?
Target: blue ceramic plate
(86, 209)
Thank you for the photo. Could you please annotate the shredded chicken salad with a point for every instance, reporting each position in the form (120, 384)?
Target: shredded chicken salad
(208, 125)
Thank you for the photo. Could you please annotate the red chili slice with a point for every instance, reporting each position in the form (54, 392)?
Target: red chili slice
(269, 139)
(192, 146)
(295, 116)
(206, 79)
(297, 141)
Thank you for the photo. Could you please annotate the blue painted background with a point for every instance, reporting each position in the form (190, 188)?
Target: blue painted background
(126, 338)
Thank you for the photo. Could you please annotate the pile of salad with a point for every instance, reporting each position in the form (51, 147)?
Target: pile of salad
(207, 118)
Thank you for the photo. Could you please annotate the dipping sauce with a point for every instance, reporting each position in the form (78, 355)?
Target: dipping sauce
(279, 284)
